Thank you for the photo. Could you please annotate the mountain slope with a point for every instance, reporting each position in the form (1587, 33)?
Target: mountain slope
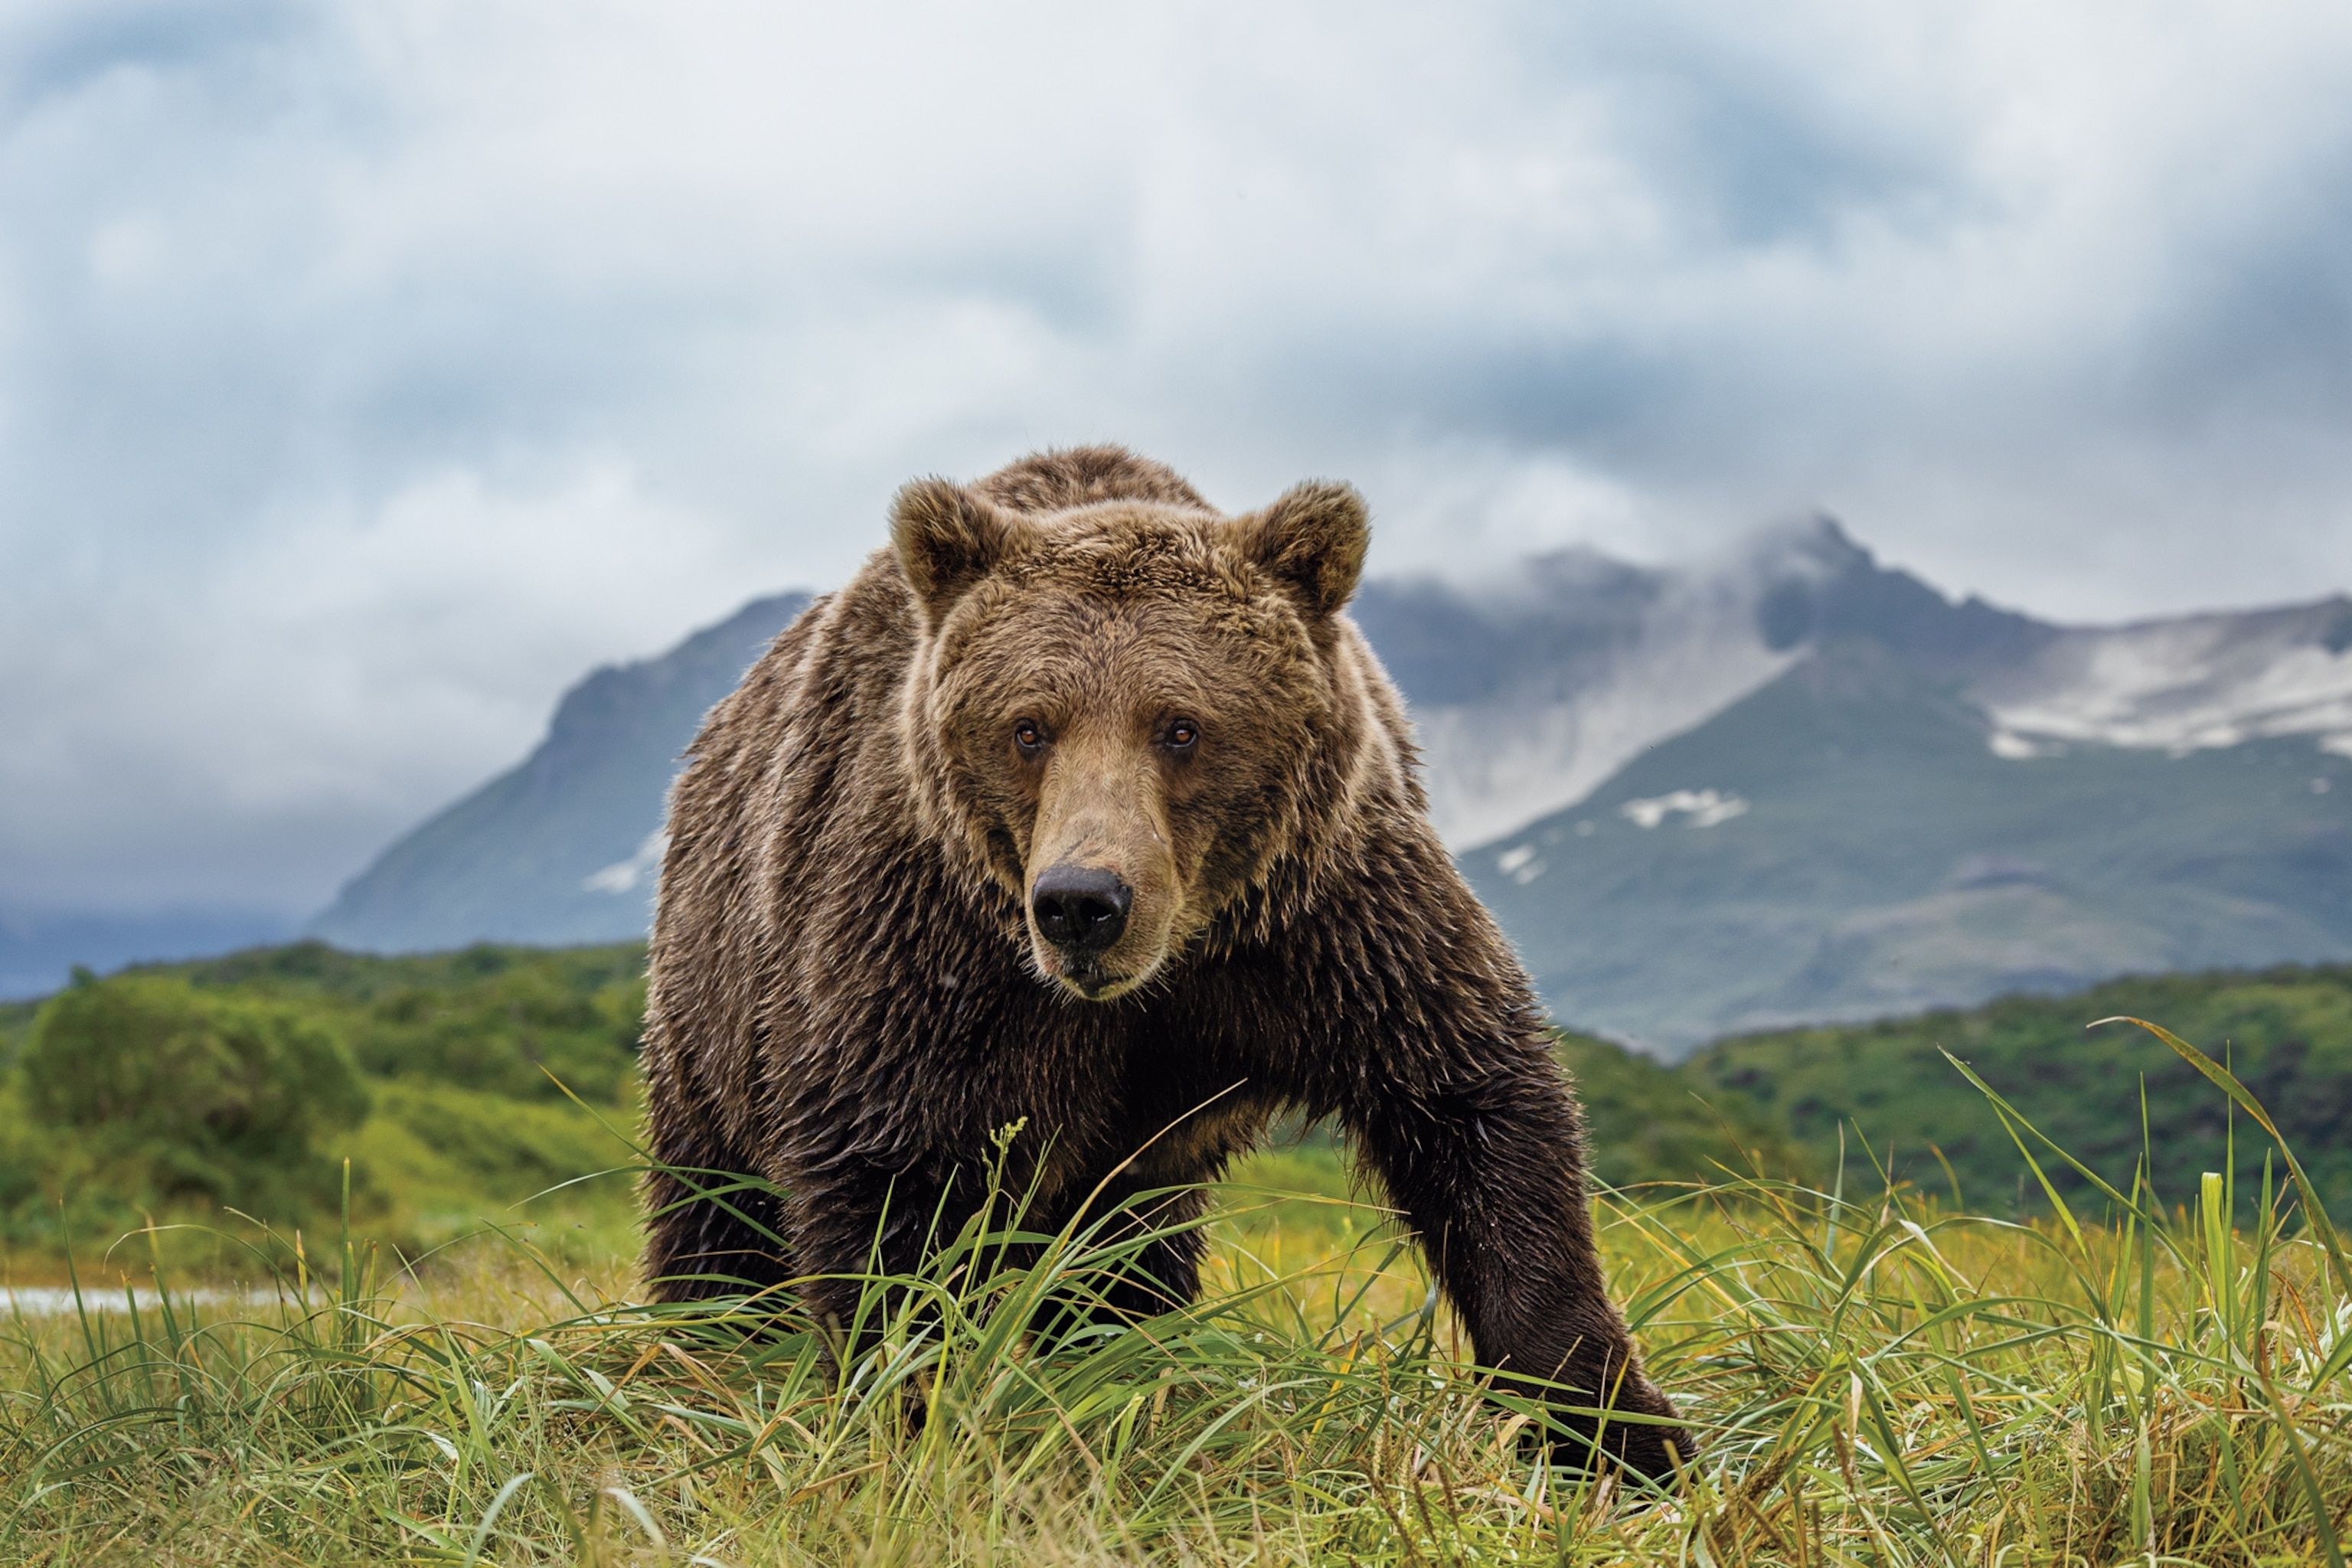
(564, 847)
(1529, 693)
(1846, 843)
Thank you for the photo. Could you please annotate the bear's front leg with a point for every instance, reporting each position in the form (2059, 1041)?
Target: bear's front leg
(1489, 1171)
(854, 1225)
(1148, 1247)
(1139, 1252)
(710, 1234)
(712, 1229)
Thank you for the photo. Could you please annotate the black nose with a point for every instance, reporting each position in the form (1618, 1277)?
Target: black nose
(1080, 909)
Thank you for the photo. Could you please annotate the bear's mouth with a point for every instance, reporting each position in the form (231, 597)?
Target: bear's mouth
(1092, 980)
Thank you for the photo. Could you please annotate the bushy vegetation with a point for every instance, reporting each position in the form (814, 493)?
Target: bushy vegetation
(473, 1066)
(1651, 1123)
(482, 1078)
(1888, 1091)
(157, 1092)
(509, 1021)
(493, 1074)
(457, 1085)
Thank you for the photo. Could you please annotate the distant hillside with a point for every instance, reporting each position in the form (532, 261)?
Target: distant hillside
(2286, 1033)
(1846, 843)
(564, 847)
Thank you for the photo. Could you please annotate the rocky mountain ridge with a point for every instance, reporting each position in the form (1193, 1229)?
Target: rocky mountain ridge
(564, 847)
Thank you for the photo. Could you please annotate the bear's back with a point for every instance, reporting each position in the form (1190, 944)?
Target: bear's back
(1083, 476)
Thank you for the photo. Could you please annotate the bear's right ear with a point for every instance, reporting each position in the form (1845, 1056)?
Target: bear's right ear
(1312, 542)
(949, 539)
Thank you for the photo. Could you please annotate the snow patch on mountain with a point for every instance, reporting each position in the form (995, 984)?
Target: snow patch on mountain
(1704, 807)
(2013, 747)
(624, 875)
(2183, 685)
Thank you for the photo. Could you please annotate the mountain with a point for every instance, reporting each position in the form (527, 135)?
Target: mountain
(2182, 684)
(1786, 785)
(1529, 692)
(563, 848)
(1856, 839)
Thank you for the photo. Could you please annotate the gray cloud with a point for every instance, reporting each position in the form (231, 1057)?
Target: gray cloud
(368, 373)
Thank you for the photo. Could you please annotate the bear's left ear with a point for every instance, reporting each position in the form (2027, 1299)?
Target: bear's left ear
(1311, 542)
(949, 539)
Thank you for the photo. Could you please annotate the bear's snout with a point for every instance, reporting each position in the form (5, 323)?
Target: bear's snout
(1081, 909)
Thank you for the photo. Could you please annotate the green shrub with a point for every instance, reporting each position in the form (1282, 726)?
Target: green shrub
(497, 1019)
(161, 1095)
(506, 1034)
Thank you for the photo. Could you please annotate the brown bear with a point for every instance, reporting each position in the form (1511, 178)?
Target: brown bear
(1085, 805)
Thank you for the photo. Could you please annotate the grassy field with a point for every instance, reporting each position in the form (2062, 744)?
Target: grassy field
(1879, 1380)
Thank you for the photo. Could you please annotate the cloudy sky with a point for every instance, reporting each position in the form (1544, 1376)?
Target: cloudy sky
(368, 371)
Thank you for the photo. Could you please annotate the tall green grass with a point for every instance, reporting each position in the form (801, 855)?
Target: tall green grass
(1879, 1380)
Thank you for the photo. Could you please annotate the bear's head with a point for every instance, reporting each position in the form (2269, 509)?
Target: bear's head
(1125, 713)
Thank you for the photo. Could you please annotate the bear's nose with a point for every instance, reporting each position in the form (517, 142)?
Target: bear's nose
(1080, 909)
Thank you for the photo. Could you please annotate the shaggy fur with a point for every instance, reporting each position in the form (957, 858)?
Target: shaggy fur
(1077, 663)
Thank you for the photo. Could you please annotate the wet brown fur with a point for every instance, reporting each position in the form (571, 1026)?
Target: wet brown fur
(850, 997)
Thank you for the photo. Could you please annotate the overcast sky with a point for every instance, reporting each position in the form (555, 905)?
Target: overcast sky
(368, 371)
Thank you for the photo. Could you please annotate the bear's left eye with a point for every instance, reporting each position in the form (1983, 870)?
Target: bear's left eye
(1182, 734)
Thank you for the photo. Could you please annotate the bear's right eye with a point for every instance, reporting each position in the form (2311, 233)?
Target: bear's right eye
(1029, 737)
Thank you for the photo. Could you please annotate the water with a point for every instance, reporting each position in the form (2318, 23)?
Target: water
(54, 1301)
